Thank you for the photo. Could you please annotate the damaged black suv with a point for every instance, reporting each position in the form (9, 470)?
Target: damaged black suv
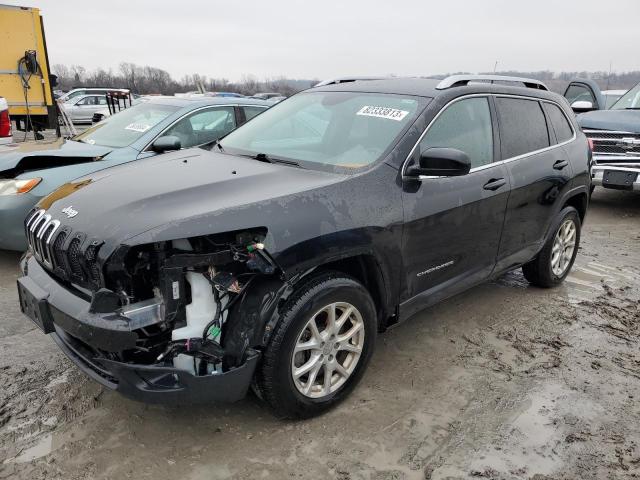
(272, 258)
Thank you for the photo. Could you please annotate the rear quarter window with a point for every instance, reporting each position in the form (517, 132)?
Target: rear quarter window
(523, 128)
(559, 122)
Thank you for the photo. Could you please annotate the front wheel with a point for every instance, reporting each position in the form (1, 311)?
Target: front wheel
(556, 258)
(320, 348)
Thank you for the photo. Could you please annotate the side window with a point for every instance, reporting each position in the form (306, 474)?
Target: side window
(203, 126)
(465, 125)
(523, 128)
(102, 100)
(84, 101)
(76, 94)
(559, 122)
(577, 93)
(251, 111)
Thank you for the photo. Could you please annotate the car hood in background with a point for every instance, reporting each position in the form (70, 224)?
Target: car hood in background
(617, 120)
(37, 155)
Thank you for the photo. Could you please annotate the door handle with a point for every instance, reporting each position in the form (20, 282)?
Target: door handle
(560, 164)
(495, 184)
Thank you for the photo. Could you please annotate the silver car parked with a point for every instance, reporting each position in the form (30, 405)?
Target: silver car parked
(82, 107)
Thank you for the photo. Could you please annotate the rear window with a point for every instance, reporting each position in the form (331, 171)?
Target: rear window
(523, 128)
(559, 122)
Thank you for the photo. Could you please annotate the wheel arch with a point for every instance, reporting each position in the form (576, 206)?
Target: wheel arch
(366, 269)
(578, 200)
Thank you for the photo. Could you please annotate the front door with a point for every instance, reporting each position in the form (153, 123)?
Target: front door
(453, 224)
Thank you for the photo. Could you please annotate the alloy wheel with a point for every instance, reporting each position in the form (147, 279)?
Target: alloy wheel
(563, 246)
(327, 350)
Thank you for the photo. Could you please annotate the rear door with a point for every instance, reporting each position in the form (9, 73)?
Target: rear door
(453, 224)
(540, 173)
(86, 107)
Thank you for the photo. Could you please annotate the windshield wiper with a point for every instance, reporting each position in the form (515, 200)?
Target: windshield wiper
(263, 157)
(632, 108)
(215, 143)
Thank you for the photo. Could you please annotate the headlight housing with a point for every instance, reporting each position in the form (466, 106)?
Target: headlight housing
(12, 186)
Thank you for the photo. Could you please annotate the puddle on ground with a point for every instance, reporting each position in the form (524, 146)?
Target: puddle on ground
(44, 446)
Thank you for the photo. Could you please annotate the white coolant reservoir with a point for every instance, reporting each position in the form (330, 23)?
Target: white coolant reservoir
(200, 311)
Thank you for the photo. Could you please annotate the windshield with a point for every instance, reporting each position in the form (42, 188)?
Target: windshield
(630, 100)
(124, 128)
(327, 130)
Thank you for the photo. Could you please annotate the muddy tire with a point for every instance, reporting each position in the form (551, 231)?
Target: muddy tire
(320, 348)
(556, 258)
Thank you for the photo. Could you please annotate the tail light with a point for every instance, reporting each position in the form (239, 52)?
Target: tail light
(590, 140)
(5, 124)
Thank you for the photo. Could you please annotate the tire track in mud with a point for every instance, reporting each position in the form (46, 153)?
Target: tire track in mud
(526, 396)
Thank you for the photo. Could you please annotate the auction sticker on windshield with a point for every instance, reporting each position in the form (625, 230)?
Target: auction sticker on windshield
(138, 127)
(383, 112)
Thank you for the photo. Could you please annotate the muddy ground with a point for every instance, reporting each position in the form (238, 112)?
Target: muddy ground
(505, 381)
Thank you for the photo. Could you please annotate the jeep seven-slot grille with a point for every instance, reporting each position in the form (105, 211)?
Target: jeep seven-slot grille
(614, 146)
(67, 254)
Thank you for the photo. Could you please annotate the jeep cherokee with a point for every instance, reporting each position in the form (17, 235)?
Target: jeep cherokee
(273, 258)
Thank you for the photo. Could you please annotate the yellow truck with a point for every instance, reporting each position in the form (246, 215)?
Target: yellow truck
(25, 81)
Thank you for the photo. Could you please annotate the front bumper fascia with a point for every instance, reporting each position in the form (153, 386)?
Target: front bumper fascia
(81, 335)
(597, 174)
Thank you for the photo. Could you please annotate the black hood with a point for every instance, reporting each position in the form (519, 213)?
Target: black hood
(617, 120)
(35, 156)
(180, 195)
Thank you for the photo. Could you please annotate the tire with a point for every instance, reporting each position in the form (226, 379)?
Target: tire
(311, 303)
(541, 271)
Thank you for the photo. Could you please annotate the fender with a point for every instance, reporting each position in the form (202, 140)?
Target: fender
(564, 200)
(253, 318)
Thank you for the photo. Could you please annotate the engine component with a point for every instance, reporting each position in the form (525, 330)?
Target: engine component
(225, 281)
(145, 313)
(200, 311)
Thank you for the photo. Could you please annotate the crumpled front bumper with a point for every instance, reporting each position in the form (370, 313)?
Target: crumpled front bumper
(79, 334)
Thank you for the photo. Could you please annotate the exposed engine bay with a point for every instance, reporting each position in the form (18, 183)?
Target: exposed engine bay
(183, 300)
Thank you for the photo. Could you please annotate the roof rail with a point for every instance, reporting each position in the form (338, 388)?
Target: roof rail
(336, 81)
(460, 80)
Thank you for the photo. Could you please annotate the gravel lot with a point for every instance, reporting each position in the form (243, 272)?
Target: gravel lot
(49, 135)
(505, 381)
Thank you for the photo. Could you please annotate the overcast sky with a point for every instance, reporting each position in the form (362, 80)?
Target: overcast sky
(321, 39)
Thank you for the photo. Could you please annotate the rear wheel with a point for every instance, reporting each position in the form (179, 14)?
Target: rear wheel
(320, 348)
(556, 258)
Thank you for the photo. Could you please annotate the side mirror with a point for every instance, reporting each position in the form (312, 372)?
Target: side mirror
(166, 143)
(582, 106)
(441, 162)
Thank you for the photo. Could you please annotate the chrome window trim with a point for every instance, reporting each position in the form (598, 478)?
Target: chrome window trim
(146, 147)
(492, 164)
(591, 130)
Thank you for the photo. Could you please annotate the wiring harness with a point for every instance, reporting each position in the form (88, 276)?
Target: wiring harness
(28, 66)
